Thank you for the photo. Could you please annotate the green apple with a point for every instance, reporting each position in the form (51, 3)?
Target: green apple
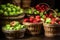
(3, 6)
(7, 26)
(8, 9)
(13, 9)
(6, 13)
(22, 26)
(17, 27)
(11, 28)
(11, 13)
(21, 11)
(35, 12)
(48, 20)
(1, 11)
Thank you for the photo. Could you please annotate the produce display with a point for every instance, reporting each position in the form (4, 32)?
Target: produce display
(14, 25)
(33, 19)
(10, 9)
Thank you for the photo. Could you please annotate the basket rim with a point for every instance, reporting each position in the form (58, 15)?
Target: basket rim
(51, 25)
(13, 17)
(24, 29)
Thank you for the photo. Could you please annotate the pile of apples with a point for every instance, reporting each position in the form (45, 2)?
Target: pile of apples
(55, 20)
(14, 25)
(42, 7)
(33, 19)
(10, 9)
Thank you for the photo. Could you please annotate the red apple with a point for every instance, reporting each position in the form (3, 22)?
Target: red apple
(34, 21)
(38, 20)
(31, 17)
(26, 20)
(37, 17)
(31, 20)
(59, 22)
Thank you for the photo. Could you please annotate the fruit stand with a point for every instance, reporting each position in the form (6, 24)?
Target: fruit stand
(20, 20)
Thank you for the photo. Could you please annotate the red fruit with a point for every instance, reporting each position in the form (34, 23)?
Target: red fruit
(52, 22)
(34, 21)
(26, 20)
(37, 6)
(37, 17)
(46, 15)
(31, 20)
(42, 5)
(31, 17)
(59, 22)
(42, 10)
(38, 20)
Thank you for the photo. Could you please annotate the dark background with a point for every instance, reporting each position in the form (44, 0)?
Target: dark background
(52, 3)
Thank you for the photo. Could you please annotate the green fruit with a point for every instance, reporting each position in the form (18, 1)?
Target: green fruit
(11, 28)
(1, 11)
(11, 5)
(22, 26)
(7, 26)
(48, 20)
(21, 11)
(11, 13)
(6, 13)
(9, 9)
(13, 9)
(17, 27)
(37, 12)
(3, 6)
(41, 14)
(17, 7)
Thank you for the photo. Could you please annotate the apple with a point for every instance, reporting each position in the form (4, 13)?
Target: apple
(48, 20)
(34, 21)
(26, 20)
(37, 17)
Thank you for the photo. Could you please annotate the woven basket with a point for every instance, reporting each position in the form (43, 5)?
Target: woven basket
(45, 4)
(33, 28)
(52, 30)
(8, 19)
(14, 34)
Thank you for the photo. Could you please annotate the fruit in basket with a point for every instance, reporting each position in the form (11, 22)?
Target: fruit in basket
(42, 7)
(48, 20)
(10, 9)
(55, 20)
(14, 25)
(33, 19)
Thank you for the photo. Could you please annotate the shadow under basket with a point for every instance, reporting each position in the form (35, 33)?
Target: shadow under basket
(52, 30)
(14, 34)
(33, 28)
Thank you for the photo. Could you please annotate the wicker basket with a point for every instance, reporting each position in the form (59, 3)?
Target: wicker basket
(33, 28)
(52, 30)
(46, 5)
(8, 19)
(14, 34)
